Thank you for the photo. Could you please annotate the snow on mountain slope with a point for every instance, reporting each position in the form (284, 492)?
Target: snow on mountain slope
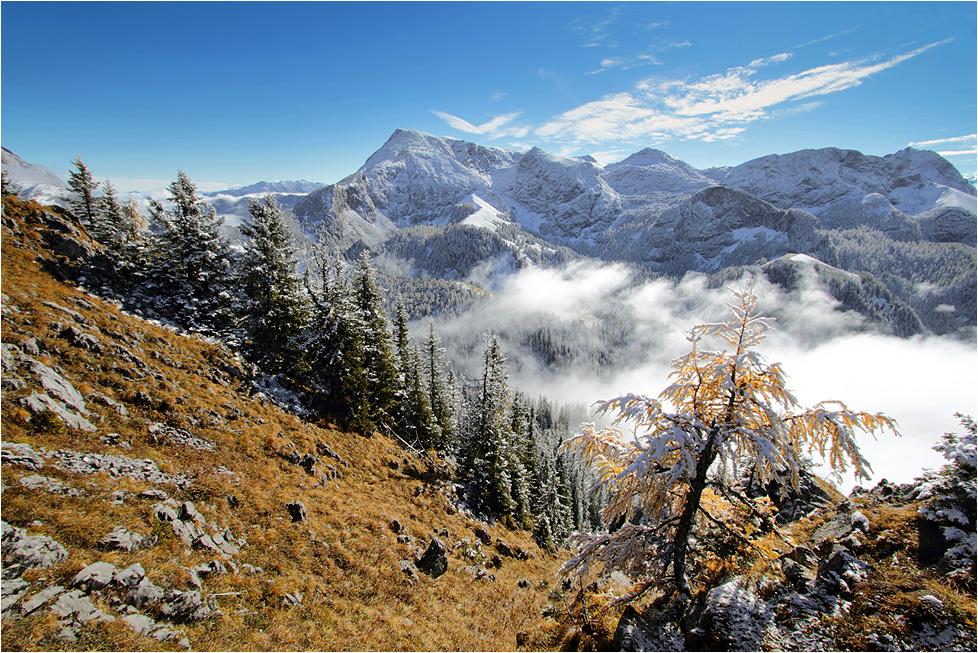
(415, 178)
(652, 171)
(910, 181)
(568, 195)
(486, 215)
(32, 181)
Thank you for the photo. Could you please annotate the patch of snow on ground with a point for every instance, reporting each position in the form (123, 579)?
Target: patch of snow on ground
(486, 215)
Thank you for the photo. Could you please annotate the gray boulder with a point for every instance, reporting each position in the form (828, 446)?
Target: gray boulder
(184, 607)
(94, 577)
(20, 455)
(122, 539)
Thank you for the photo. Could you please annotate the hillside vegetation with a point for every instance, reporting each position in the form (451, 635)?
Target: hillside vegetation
(166, 420)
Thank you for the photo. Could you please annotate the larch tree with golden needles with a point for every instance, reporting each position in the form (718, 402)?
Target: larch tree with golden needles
(725, 412)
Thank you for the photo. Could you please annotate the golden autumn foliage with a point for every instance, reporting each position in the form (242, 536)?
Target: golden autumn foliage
(727, 413)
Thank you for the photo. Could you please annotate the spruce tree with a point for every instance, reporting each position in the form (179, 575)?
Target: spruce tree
(332, 366)
(82, 200)
(191, 260)
(488, 456)
(109, 226)
(439, 391)
(272, 307)
(378, 354)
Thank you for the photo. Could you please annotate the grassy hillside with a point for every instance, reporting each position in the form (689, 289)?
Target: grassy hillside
(172, 410)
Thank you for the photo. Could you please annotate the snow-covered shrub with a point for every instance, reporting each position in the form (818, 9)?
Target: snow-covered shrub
(952, 496)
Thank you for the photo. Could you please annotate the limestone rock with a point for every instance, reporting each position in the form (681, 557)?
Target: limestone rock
(21, 455)
(124, 540)
(94, 577)
(35, 403)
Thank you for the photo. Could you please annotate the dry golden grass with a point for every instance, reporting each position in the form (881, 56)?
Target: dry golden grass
(343, 559)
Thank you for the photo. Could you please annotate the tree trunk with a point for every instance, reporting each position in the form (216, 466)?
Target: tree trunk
(688, 518)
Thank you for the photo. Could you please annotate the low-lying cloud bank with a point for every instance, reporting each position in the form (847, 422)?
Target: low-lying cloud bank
(827, 354)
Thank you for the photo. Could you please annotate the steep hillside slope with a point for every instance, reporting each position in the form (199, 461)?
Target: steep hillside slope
(152, 499)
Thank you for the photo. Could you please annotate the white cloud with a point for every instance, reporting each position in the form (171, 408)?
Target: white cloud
(970, 138)
(921, 382)
(465, 126)
(715, 107)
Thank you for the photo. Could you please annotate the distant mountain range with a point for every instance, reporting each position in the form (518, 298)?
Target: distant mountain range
(904, 223)
(440, 208)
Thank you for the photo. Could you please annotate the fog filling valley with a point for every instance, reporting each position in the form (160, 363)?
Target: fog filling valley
(616, 335)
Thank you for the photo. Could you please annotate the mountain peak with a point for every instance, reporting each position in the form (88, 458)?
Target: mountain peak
(648, 157)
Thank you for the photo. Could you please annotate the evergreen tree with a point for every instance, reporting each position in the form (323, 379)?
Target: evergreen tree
(378, 355)
(332, 368)
(488, 457)
(421, 424)
(439, 391)
(191, 259)
(82, 200)
(109, 225)
(273, 308)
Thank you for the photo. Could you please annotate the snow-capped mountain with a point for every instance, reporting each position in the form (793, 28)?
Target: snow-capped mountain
(650, 207)
(232, 203)
(32, 181)
(898, 193)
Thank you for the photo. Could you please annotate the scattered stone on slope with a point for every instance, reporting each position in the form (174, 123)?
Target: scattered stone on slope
(651, 631)
(483, 536)
(408, 569)
(77, 606)
(22, 552)
(185, 607)
(122, 539)
(733, 618)
(480, 573)
(52, 485)
(80, 339)
(13, 591)
(434, 562)
(144, 593)
(37, 403)
(297, 511)
(21, 455)
(841, 571)
(130, 577)
(179, 437)
(92, 463)
(38, 600)
(105, 400)
(94, 577)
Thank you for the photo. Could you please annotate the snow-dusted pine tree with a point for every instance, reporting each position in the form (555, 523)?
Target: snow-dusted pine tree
(332, 362)
(378, 346)
(726, 411)
(950, 496)
(439, 391)
(488, 454)
(82, 200)
(191, 260)
(272, 306)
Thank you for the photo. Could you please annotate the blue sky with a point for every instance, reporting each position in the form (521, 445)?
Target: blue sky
(234, 93)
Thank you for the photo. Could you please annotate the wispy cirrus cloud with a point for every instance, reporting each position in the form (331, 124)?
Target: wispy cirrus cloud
(715, 107)
(485, 128)
(969, 141)
(597, 33)
(646, 58)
